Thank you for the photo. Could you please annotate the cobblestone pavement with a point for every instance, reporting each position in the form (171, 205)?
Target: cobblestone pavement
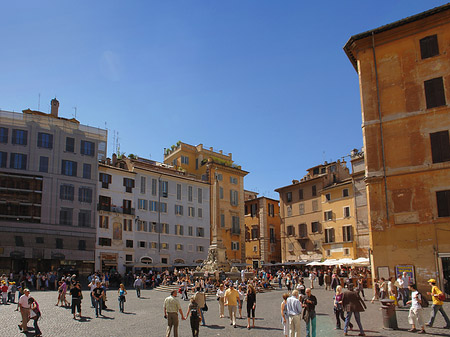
(144, 317)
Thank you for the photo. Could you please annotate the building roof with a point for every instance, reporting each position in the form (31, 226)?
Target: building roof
(344, 182)
(348, 46)
(301, 182)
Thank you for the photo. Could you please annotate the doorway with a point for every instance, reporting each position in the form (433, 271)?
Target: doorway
(446, 274)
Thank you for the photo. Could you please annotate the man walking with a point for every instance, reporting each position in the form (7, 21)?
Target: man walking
(24, 310)
(232, 300)
(97, 294)
(438, 298)
(171, 308)
(404, 282)
(294, 308)
(138, 286)
(353, 304)
(309, 303)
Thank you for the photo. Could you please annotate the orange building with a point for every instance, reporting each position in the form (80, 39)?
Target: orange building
(404, 76)
(226, 181)
(262, 230)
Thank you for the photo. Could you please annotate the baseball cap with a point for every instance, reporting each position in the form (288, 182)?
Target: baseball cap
(431, 280)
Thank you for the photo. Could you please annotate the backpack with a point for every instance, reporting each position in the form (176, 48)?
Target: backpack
(425, 303)
(441, 297)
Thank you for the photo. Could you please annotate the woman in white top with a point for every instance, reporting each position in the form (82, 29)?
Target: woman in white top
(241, 300)
(221, 298)
(415, 312)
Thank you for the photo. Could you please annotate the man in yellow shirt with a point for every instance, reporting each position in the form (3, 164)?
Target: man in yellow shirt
(437, 304)
(232, 300)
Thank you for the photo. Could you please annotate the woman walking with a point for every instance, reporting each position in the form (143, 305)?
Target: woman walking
(251, 305)
(221, 298)
(284, 315)
(339, 309)
(35, 313)
(415, 312)
(376, 290)
(122, 292)
(194, 310)
(241, 300)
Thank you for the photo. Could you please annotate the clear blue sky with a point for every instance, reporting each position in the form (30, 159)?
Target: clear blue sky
(265, 80)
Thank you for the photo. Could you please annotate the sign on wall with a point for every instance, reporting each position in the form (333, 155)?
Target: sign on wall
(409, 269)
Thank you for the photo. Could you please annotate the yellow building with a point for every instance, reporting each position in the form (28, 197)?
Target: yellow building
(302, 231)
(404, 76)
(226, 181)
(262, 230)
(339, 220)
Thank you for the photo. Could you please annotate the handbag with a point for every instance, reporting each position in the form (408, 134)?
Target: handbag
(205, 308)
(218, 298)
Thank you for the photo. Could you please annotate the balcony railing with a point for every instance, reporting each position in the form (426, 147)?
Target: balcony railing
(115, 209)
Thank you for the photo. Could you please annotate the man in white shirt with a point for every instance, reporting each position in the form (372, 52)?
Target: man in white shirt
(294, 309)
(138, 285)
(24, 310)
(404, 282)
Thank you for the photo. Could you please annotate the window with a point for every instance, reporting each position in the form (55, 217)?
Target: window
(316, 171)
(199, 195)
(154, 186)
(127, 225)
(253, 210)
(314, 190)
(105, 179)
(255, 233)
(18, 161)
(221, 192)
(178, 246)
(129, 243)
(329, 235)
(39, 239)
(315, 227)
(19, 241)
(347, 212)
(153, 227)
(185, 160)
(443, 203)
(345, 192)
(129, 258)
(303, 230)
(434, 92)
(200, 232)
(255, 249)
(323, 170)
(191, 211)
(165, 228)
(4, 135)
(126, 206)
(328, 215)
(346, 251)
(234, 198)
(300, 194)
(85, 194)
(81, 244)
(219, 176)
(290, 230)
(328, 252)
(235, 227)
(288, 196)
(70, 144)
(141, 226)
(234, 245)
(59, 243)
(45, 140)
(69, 168)
(87, 148)
(84, 218)
(301, 208)
(179, 230)
(3, 157)
(103, 221)
(142, 204)
(347, 233)
(141, 244)
(328, 197)
(191, 231)
(174, 162)
(87, 171)
(43, 164)
(129, 185)
(66, 216)
(272, 235)
(178, 191)
(164, 189)
(189, 193)
(143, 184)
(20, 137)
(222, 220)
(164, 245)
(200, 249)
(271, 210)
(66, 192)
(178, 210)
(440, 146)
(315, 205)
(233, 180)
(429, 47)
(289, 210)
(153, 245)
(200, 212)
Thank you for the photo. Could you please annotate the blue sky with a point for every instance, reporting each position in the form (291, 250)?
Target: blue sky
(267, 81)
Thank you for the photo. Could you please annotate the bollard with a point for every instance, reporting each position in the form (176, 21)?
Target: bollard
(388, 314)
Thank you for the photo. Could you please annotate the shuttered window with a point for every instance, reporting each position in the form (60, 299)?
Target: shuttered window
(440, 146)
(429, 46)
(443, 203)
(434, 92)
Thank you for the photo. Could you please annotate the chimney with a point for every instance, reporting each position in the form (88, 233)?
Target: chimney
(114, 159)
(55, 107)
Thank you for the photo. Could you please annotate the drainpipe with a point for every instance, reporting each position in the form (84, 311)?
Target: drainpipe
(381, 128)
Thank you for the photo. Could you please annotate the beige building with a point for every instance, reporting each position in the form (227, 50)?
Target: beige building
(226, 180)
(262, 230)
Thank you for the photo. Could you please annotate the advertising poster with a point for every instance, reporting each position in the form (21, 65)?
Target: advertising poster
(409, 269)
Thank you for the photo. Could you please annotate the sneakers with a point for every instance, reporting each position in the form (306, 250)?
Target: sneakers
(412, 330)
(422, 331)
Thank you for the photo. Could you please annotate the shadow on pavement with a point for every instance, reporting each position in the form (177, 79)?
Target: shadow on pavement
(85, 319)
(215, 327)
(128, 313)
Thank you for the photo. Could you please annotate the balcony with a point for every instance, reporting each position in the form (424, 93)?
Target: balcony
(115, 209)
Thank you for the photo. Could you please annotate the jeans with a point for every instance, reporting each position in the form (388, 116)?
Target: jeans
(138, 291)
(37, 331)
(404, 294)
(357, 318)
(194, 325)
(92, 301)
(121, 303)
(98, 306)
(203, 317)
(435, 308)
(311, 326)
